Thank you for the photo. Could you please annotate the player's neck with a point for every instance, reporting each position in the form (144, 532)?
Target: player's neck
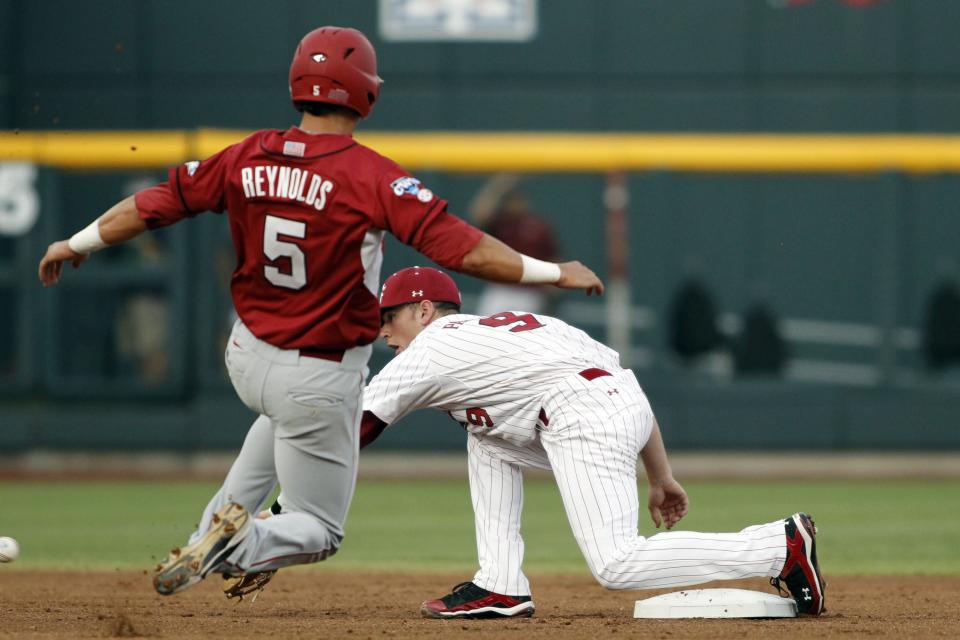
(332, 123)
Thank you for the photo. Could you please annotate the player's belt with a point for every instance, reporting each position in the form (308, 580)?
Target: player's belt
(593, 374)
(334, 355)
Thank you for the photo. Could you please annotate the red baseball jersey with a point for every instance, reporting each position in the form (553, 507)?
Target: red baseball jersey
(307, 213)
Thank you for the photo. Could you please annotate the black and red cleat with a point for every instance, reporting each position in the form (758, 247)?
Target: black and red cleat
(801, 571)
(470, 601)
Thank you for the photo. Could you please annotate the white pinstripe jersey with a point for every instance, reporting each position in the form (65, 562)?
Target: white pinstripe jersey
(491, 374)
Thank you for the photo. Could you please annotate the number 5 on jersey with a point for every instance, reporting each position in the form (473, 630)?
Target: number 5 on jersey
(275, 248)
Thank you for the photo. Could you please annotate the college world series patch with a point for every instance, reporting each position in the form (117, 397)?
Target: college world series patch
(410, 186)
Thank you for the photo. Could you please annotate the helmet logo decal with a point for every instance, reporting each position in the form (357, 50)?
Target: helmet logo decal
(319, 57)
(417, 293)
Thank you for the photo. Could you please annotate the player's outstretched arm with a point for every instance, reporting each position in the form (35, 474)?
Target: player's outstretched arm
(119, 224)
(492, 260)
(576, 275)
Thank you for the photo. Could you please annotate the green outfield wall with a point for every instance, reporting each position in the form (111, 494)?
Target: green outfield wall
(127, 353)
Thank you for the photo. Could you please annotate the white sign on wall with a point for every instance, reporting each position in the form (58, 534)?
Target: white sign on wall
(19, 201)
(464, 20)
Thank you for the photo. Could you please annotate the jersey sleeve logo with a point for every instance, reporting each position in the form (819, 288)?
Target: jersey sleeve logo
(410, 186)
(192, 167)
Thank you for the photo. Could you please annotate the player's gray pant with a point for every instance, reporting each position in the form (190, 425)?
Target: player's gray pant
(595, 433)
(306, 438)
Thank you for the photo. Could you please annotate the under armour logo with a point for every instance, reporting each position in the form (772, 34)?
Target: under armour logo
(417, 293)
(806, 593)
(613, 391)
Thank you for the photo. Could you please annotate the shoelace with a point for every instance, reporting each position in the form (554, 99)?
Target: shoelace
(775, 582)
(250, 583)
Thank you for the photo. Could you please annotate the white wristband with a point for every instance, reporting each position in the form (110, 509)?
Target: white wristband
(539, 272)
(88, 239)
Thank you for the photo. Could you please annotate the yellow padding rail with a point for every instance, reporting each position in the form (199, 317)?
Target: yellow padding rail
(525, 152)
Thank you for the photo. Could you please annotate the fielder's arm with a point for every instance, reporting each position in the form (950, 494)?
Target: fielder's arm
(667, 501)
(370, 428)
(120, 223)
(491, 259)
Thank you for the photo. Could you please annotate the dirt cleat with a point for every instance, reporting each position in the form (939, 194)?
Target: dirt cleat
(470, 601)
(801, 571)
(241, 586)
(188, 565)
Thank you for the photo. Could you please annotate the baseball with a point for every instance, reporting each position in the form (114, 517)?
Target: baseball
(9, 549)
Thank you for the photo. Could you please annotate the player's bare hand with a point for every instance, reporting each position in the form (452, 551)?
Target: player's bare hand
(668, 503)
(51, 265)
(576, 275)
(263, 515)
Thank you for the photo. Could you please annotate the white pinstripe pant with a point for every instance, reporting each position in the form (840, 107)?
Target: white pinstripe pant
(597, 429)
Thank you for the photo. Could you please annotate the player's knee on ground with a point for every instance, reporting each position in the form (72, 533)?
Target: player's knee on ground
(609, 578)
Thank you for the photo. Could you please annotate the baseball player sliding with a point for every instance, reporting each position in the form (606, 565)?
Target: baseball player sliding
(308, 208)
(532, 391)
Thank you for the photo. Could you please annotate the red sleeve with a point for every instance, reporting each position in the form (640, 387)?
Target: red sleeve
(418, 218)
(158, 206)
(446, 239)
(191, 188)
(370, 428)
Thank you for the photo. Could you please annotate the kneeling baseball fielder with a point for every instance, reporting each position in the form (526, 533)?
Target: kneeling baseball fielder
(533, 391)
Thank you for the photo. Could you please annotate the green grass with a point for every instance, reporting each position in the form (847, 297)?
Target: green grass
(867, 527)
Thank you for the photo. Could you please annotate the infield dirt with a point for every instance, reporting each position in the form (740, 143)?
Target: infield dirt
(332, 603)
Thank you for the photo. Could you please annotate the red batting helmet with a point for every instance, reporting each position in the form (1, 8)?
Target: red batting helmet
(418, 283)
(336, 65)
